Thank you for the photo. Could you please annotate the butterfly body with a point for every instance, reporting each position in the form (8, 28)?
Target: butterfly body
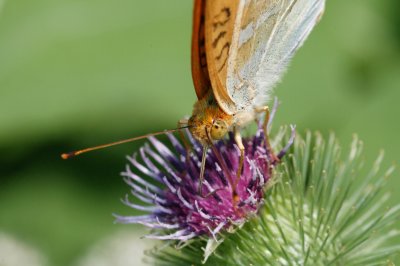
(209, 121)
(240, 50)
(208, 116)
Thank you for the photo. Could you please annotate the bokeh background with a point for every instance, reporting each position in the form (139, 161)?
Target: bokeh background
(76, 73)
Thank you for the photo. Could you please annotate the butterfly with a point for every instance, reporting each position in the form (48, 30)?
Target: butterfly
(240, 50)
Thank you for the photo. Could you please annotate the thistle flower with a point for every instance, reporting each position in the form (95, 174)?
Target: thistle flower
(311, 209)
(174, 203)
(321, 211)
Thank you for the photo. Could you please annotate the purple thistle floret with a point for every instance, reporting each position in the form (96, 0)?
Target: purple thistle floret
(172, 197)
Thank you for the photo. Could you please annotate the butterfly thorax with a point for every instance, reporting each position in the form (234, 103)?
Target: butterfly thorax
(209, 121)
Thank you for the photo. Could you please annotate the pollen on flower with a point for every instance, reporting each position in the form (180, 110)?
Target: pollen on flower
(174, 205)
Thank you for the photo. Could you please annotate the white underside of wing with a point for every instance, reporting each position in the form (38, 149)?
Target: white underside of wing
(269, 40)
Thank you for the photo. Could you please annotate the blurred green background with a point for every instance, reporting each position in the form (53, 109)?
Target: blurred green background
(77, 73)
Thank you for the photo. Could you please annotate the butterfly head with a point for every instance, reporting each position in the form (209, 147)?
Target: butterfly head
(209, 122)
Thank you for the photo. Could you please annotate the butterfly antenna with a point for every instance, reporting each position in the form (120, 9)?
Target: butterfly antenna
(78, 152)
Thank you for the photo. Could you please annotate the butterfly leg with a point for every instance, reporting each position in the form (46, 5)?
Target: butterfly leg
(239, 143)
(265, 109)
(184, 122)
(202, 169)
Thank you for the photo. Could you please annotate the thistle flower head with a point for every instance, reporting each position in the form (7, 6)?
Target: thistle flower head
(172, 198)
(322, 211)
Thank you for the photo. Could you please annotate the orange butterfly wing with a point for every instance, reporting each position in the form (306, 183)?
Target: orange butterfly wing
(200, 74)
(213, 29)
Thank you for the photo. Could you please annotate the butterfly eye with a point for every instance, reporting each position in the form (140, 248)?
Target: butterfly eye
(218, 130)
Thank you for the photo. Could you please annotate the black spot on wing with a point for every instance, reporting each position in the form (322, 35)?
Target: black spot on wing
(219, 37)
(223, 55)
(222, 17)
